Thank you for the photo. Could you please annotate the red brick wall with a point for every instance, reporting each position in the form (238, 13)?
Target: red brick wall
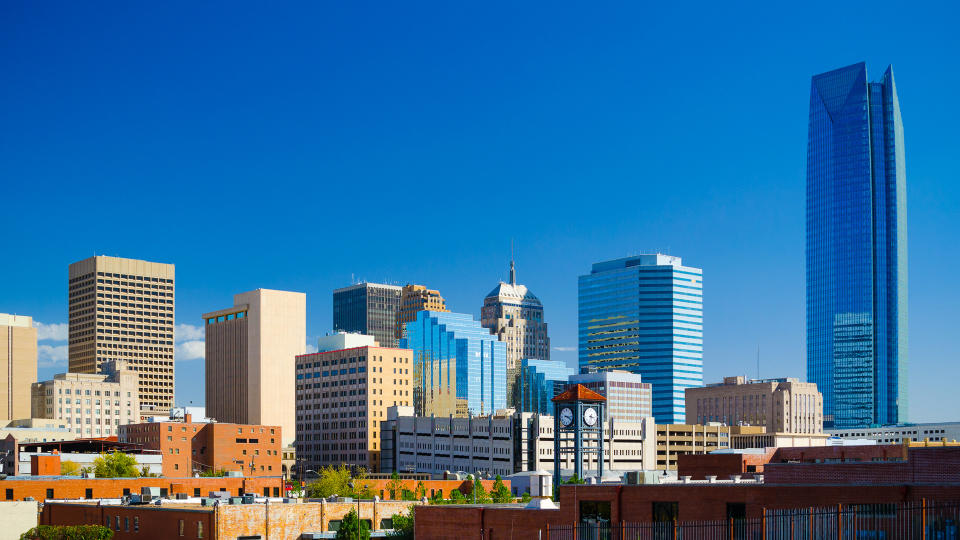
(75, 488)
(45, 465)
(431, 486)
(133, 521)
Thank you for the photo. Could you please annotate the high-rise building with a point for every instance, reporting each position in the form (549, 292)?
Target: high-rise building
(251, 351)
(629, 399)
(458, 367)
(368, 308)
(90, 405)
(539, 382)
(781, 405)
(413, 299)
(515, 316)
(18, 363)
(856, 255)
(122, 309)
(644, 314)
(342, 397)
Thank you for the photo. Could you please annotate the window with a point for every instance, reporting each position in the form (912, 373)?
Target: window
(9, 494)
(199, 529)
(88, 493)
(181, 527)
(196, 492)
(665, 511)
(49, 493)
(136, 523)
(126, 524)
(116, 522)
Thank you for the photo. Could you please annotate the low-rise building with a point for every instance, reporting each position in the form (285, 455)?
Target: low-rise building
(934, 431)
(22, 456)
(342, 395)
(629, 399)
(675, 440)
(194, 447)
(780, 405)
(41, 488)
(90, 405)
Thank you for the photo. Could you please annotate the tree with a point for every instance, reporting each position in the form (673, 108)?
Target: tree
(68, 532)
(437, 497)
(420, 491)
(115, 465)
(482, 497)
(69, 468)
(403, 525)
(145, 472)
(500, 493)
(525, 498)
(331, 481)
(349, 526)
(575, 480)
(456, 497)
(407, 495)
(395, 485)
(211, 473)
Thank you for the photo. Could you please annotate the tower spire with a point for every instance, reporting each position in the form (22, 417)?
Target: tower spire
(513, 271)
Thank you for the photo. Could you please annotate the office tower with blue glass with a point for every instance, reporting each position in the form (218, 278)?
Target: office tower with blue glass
(644, 314)
(856, 255)
(459, 369)
(368, 308)
(539, 381)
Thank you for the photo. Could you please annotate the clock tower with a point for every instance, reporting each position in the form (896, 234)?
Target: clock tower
(577, 429)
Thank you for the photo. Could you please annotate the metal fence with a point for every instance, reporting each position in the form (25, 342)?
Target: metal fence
(913, 520)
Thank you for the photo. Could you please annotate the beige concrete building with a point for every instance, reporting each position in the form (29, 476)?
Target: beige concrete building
(90, 405)
(122, 309)
(515, 315)
(342, 397)
(413, 299)
(676, 439)
(18, 362)
(780, 405)
(250, 357)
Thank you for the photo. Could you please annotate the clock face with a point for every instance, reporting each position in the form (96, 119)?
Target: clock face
(590, 416)
(566, 416)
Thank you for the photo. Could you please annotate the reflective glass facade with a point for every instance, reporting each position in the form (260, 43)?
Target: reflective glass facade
(458, 367)
(644, 314)
(540, 381)
(856, 261)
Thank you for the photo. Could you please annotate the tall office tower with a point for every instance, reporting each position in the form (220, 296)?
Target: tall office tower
(18, 362)
(413, 299)
(539, 382)
(342, 393)
(856, 265)
(644, 314)
(515, 316)
(368, 308)
(629, 399)
(458, 367)
(122, 309)
(251, 351)
(90, 405)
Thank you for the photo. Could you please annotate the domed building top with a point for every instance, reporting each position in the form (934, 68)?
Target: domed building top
(512, 292)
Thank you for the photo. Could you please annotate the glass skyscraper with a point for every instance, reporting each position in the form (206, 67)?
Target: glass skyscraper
(539, 381)
(368, 308)
(856, 256)
(644, 314)
(458, 367)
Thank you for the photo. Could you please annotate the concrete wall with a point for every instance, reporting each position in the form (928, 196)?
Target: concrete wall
(17, 518)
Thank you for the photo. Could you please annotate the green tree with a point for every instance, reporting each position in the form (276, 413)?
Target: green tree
(482, 496)
(212, 473)
(403, 525)
(420, 491)
(500, 493)
(456, 497)
(331, 481)
(575, 480)
(525, 498)
(68, 532)
(69, 468)
(349, 526)
(407, 495)
(395, 485)
(115, 465)
(437, 497)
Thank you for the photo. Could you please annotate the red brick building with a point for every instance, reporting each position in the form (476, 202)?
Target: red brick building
(191, 447)
(59, 487)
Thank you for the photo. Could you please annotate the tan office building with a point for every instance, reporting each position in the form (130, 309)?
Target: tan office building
(18, 361)
(122, 309)
(250, 357)
(342, 397)
(90, 405)
(677, 439)
(413, 299)
(780, 405)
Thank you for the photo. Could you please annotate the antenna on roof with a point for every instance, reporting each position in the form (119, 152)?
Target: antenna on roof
(513, 270)
(758, 361)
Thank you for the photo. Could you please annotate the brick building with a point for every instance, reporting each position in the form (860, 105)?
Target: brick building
(192, 447)
(17, 488)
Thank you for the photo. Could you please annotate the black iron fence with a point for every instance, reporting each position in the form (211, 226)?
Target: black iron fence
(922, 520)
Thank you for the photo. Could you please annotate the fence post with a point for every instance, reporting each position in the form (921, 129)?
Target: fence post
(674, 529)
(810, 536)
(854, 521)
(791, 525)
(731, 528)
(923, 518)
(623, 532)
(575, 530)
(763, 523)
(839, 521)
(548, 531)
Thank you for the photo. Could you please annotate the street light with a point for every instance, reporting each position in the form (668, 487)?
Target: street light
(351, 486)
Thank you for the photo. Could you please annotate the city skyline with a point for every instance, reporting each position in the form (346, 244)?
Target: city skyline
(595, 170)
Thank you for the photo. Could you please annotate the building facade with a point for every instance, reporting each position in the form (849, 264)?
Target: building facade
(18, 365)
(368, 308)
(122, 309)
(629, 399)
(342, 396)
(675, 440)
(856, 248)
(90, 405)
(540, 381)
(644, 314)
(250, 358)
(458, 367)
(515, 315)
(413, 299)
(898, 433)
(780, 405)
(190, 448)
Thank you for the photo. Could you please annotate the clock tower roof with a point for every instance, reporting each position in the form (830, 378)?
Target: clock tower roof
(578, 392)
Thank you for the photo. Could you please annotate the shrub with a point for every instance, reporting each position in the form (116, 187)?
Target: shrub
(68, 532)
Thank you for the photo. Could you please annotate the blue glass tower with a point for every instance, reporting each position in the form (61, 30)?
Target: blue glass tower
(458, 367)
(644, 314)
(539, 382)
(856, 256)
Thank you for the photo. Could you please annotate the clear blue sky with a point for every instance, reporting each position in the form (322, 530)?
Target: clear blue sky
(292, 146)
